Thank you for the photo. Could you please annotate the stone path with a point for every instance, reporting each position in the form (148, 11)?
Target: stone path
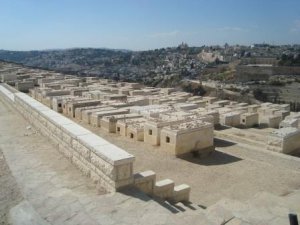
(9, 192)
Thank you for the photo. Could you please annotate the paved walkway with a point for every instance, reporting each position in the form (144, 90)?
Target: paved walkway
(9, 192)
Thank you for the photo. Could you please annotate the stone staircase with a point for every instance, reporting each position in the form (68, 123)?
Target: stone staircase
(163, 189)
(264, 208)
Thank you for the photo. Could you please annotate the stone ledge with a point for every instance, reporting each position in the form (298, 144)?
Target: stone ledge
(79, 144)
(164, 189)
(145, 181)
(7, 93)
(181, 193)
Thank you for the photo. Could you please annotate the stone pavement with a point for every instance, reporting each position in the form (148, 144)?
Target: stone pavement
(9, 191)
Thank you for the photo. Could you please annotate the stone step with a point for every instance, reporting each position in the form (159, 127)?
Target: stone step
(164, 189)
(263, 208)
(181, 193)
(145, 181)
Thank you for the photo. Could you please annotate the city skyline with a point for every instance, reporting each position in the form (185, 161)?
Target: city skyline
(145, 24)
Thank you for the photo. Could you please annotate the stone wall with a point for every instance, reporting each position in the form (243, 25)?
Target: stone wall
(262, 60)
(105, 163)
(253, 73)
(6, 94)
(286, 70)
(246, 73)
(284, 140)
(200, 139)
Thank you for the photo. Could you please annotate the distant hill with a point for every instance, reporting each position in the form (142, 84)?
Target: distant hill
(149, 67)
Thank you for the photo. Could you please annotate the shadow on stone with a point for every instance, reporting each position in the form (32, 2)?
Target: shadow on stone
(221, 127)
(136, 193)
(172, 208)
(179, 207)
(296, 153)
(222, 143)
(214, 158)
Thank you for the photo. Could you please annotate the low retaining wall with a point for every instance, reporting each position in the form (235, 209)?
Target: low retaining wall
(7, 94)
(164, 189)
(105, 163)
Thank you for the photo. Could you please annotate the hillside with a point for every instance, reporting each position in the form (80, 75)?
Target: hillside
(150, 67)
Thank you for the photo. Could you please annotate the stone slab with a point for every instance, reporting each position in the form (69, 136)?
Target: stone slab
(25, 214)
(113, 154)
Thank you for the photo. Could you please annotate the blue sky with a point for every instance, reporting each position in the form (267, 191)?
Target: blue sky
(146, 24)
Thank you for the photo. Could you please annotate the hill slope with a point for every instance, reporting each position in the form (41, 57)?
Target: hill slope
(141, 66)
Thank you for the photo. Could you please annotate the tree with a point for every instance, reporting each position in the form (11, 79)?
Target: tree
(260, 95)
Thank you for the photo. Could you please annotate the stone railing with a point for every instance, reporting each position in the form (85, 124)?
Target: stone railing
(105, 163)
(6, 94)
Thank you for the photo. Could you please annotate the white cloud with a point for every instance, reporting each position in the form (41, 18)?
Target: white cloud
(165, 34)
(233, 29)
(296, 27)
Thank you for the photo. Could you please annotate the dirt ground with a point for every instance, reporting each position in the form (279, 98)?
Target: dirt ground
(232, 171)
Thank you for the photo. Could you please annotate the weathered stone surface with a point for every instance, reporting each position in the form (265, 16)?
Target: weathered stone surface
(88, 152)
(25, 214)
(164, 189)
(145, 181)
(124, 172)
(82, 150)
(103, 166)
(181, 193)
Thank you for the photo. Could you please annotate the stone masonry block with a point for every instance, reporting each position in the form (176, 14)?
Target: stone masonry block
(66, 138)
(82, 150)
(68, 154)
(145, 181)
(104, 177)
(106, 185)
(164, 189)
(95, 177)
(123, 183)
(181, 193)
(103, 166)
(81, 166)
(105, 163)
(124, 171)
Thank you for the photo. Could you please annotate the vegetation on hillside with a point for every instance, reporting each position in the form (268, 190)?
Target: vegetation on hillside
(194, 88)
(289, 60)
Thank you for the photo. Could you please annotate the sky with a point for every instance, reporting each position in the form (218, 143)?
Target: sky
(146, 24)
